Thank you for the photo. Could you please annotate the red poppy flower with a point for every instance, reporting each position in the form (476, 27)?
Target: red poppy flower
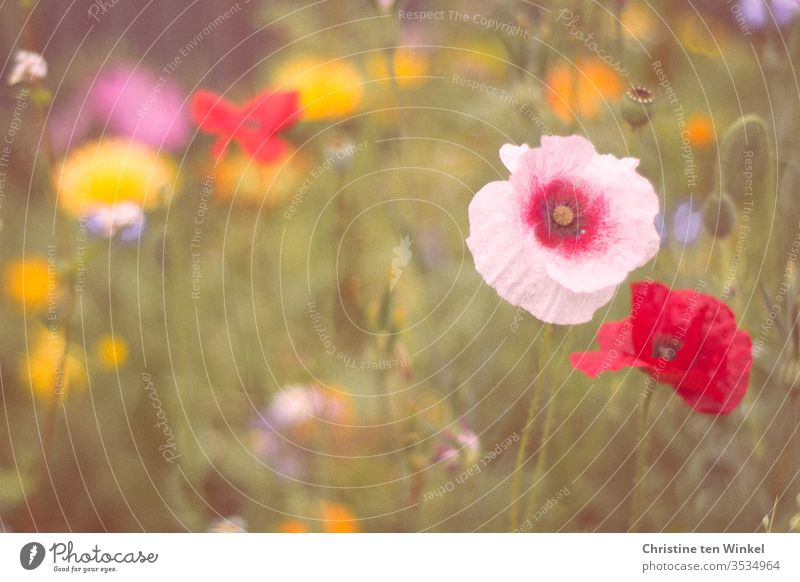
(254, 125)
(683, 338)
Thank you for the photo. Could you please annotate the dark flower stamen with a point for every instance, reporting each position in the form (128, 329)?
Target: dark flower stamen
(666, 348)
(641, 95)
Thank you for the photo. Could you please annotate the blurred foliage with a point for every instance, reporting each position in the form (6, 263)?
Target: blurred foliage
(215, 314)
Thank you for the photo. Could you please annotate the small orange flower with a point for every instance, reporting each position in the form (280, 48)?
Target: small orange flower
(112, 352)
(701, 131)
(594, 84)
(31, 283)
(292, 526)
(338, 519)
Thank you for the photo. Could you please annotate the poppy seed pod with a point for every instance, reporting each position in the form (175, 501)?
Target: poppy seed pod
(719, 215)
(637, 106)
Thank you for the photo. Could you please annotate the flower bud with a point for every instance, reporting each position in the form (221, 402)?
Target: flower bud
(637, 106)
(747, 162)
(719, 216)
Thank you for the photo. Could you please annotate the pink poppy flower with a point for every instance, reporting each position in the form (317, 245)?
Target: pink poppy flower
(124, 100)
(565, 230)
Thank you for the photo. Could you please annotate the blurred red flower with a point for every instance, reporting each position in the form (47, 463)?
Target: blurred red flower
(684, 338)
(254, 125)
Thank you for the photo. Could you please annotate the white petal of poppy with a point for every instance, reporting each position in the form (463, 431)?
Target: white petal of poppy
(630, 238)
(510, 155)
(510, 260)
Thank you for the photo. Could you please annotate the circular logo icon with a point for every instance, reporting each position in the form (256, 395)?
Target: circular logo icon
(31, 555)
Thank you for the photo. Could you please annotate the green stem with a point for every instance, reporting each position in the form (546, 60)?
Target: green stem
(620, 37)
(641, 456)
(526, 432)
(59, 392)
(541, 457)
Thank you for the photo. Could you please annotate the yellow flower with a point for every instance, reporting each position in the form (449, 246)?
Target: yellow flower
(112, 352)
(594, 84)
(702, 36)
(410, 67)
(328, 89)
(113, 170)
(41, 368)
(338, 519)
(638, 22)
(31, 283)
(238, 176)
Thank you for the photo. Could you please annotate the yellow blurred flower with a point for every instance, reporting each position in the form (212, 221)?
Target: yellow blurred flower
(41, 368)
(638, 22)
(32, 283)
(328, 89)
(238, 176)
(702, 36)
(112, 351)
(338, 519)
(594, 84)
(410, 67)
(114, 170)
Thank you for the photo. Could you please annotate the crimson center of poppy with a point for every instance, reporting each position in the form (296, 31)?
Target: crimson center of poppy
(565, 216)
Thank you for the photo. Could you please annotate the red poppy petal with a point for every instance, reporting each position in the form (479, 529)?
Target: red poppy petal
(260, 148)
(615, 352)
(615, 334)
(212, 113)
(648, 302)
(274, 111)
(726, 386)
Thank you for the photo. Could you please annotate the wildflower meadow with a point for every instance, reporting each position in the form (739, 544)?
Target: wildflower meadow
(399, 266)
